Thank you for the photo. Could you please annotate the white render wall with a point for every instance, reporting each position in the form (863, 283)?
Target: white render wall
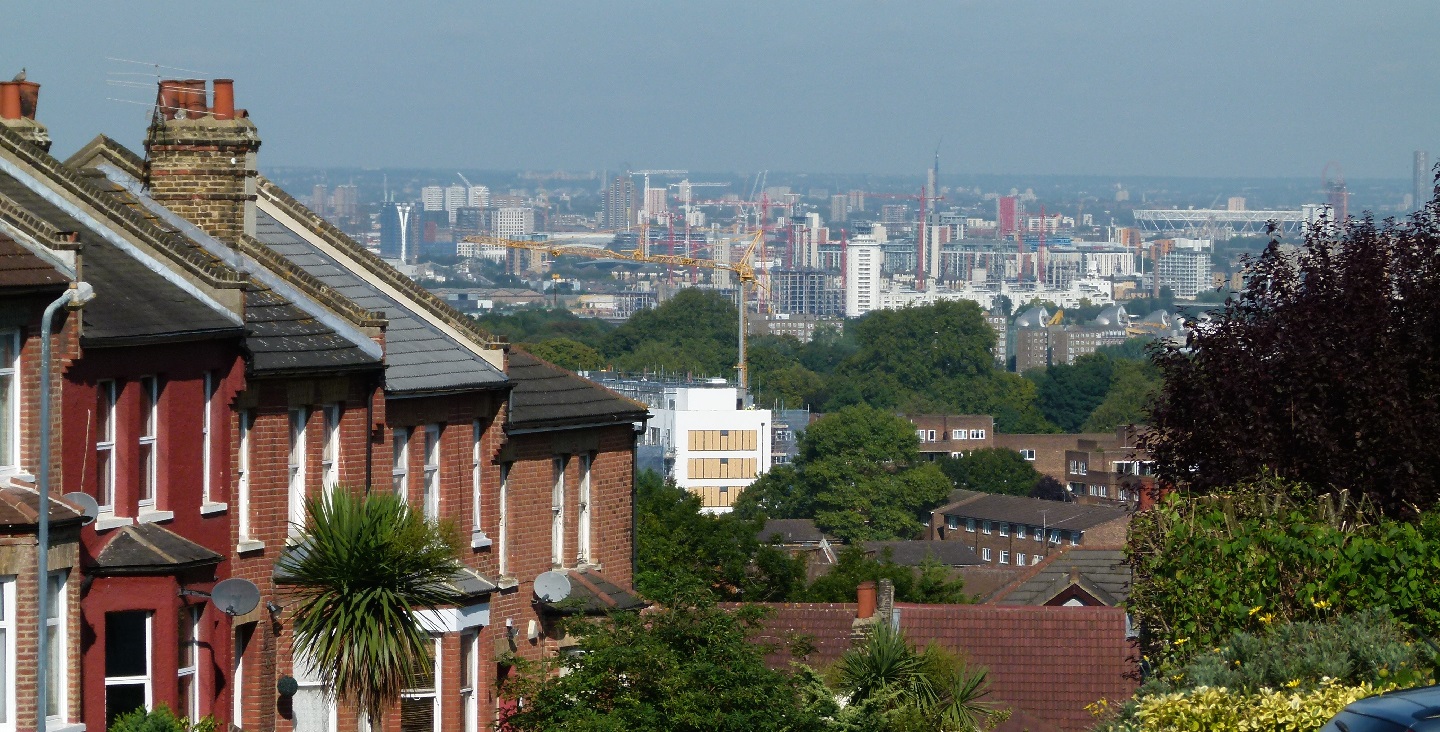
(689, 409)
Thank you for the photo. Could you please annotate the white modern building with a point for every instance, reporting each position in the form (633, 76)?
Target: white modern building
(711, 448)
(479, 197)
(432, 198)
(513, 222)
(864, 260)
(455, 197)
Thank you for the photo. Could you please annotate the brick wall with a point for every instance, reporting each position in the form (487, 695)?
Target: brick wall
(17, 558)
(204, 170)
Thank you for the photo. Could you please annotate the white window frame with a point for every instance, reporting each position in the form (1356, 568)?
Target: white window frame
(1020, 531)
(9, 628)
(985, 553)
(295, 487)
(1004, 528)
(952, 522)
(207, 463)
(502, 523)
(1004, 557)
(477, 432)
(1028, 454)
(191, 614)
(920, 435)
(434, 693)
(1055, 537)
(1038, 534)
(308, 680)
(330, 454)
(970, 525)
(148, 485)
(986, 527)
(430, 502)
(105, 443)
(11, 370)
(58, 648)
(469, 699)
(242, 638)
(582, 518)
(245, 422)
(977, 434)
(958, 434)
(400, 467)
(1019, 559)
(148, 680)
(930, 436)
(557, 513)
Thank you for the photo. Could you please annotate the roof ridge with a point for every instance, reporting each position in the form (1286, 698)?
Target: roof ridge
(104, 146)
(1034, 571)
(134, 533)
(192, 258)
(378, 267)
(588, 382)
(309, 284)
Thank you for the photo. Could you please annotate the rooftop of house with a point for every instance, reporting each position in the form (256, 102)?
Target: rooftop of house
(791, 531)
(23, 269)
(20, 508)
(1030, 511)
(1102, 573)
(545, 395)
(150, 548)
(912, 553)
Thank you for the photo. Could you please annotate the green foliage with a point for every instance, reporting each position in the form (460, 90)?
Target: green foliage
(857, 474)
(161, 719)
(1133, 349)
(1070, 392)
(1216, 709)
(1133, 386)
(682, 552)
(567, 354)
(991, 470)
(364, 567)
(1268, 552)
(535, 324)
(694, 332)
(675, 668)
(891, 687)
(929, 583)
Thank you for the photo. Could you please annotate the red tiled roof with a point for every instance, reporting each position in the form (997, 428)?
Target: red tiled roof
(825, 625)
(19, 267)
(1048, 661)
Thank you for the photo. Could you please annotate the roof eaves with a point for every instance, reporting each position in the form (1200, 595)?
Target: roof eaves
(105, 149)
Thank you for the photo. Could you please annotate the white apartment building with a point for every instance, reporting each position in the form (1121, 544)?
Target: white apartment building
(711, 448)
(1185, 271)
(478, 197)
(455, 197)
(864, 260)
(432, 198)
(517, 222)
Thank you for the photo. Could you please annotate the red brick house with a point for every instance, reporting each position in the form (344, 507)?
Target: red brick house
(240, 356)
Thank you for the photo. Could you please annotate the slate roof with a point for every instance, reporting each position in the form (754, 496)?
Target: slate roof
(1103, 573)
(791, 531)
(150, 549)
(419, 356)
(1031, 511)
(283, 333)
(133, 302)
(20, 509)
(592, 594)
(912, 553)
(22, 269)
(546, 395)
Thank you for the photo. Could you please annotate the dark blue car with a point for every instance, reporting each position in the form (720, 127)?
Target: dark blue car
(1399, 711)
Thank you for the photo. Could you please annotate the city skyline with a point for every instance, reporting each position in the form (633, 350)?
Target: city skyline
(1118, 88)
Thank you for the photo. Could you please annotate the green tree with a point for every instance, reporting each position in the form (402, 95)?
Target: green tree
(364, 568)
(682, 551)
(1132, 387)
(679, 668)
(693, 331)
(991, 470)
(930, 583)
(892, 687)
(567, 354)
(1070, 392)
(858, 474)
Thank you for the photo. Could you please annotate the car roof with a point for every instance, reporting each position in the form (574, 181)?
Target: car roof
(1403, 707)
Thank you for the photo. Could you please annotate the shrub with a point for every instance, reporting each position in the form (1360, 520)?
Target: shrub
(1216, 709)
(161, 719)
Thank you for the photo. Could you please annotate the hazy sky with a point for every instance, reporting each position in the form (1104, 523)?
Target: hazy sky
(1214, 88)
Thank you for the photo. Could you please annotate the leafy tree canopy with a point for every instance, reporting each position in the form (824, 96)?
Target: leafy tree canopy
(929, 583)
(991, 470)
(693, 331)
(568, 354)
(1325, 370)
(1070, 392)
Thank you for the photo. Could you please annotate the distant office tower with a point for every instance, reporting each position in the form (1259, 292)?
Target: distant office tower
(619, 209)
(1424, 179)
(655, 203)
(471, 220)
(857, 201)
(1236, 203)
(479, 197)
(839, 208)
(455, 197)
(863, 261)
(894, 213)
(1185, 271)
(345, 201)
(806, 292)
(1007, 215)
(319, 200)
(432, 198)
(399, 234)
(513, 223)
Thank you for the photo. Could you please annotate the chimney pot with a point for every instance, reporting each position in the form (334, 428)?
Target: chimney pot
(29, 98)
(168, 98)
(224, 99)
(9, 100)
(865, 597)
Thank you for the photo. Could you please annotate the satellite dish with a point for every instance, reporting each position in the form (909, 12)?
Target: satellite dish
(235, 596)
(552, 587)
(89, 509)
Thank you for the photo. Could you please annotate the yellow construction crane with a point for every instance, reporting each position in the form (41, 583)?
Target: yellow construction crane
(744, 271)
(1057, 318)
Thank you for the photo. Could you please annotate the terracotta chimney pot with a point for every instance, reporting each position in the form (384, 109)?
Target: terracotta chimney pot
(865, 597)
(224, 99)
(9, 100)
(29, 98)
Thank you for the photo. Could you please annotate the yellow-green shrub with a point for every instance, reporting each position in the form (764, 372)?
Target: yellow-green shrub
(1214, 709)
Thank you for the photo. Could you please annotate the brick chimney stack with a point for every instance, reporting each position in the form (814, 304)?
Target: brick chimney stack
(18, 101)
(201, 158)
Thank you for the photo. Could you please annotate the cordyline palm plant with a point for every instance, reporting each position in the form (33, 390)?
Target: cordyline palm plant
(930, 690)
(364, 566)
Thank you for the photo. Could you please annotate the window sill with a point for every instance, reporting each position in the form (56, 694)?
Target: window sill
(154, 517)
(105, 522)
(61, 727)
(249, 545)
(479, 540)
(506, 583)
(210, 509)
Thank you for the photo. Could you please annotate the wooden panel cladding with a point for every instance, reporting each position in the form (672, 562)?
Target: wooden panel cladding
(717, 496)
(722, 468)
(704, 440)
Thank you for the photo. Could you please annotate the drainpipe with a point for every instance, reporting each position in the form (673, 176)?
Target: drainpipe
(78, 294)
